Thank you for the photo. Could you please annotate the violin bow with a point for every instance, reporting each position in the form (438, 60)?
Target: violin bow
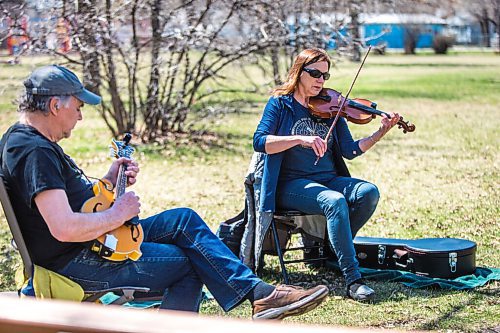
(344, 100)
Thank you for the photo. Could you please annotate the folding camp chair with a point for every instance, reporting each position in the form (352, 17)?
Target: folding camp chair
(282, 226)
(126, 293)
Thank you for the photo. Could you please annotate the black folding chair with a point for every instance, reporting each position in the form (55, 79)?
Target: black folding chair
(282, 226)
(126, 293)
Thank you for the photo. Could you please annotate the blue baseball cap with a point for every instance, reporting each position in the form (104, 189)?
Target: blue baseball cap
(54, 80)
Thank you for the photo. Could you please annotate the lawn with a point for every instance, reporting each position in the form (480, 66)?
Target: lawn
(440, 181)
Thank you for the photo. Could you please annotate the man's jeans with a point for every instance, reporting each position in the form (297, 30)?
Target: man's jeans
(179, 255)
(347, 204)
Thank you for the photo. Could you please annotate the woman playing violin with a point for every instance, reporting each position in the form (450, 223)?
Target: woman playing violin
(293, 139)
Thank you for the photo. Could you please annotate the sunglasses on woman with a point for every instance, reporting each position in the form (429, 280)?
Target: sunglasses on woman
(316, 73)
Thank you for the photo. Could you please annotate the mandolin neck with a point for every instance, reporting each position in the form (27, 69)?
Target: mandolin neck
(121, 181)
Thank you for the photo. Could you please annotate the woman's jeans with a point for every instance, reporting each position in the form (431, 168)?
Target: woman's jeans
(180, 254)
(347, 204)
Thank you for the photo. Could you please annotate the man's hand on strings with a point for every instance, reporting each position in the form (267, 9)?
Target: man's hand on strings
(131, 172)
(127, 206)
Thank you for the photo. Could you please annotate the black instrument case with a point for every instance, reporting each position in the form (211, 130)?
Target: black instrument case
(433, 257)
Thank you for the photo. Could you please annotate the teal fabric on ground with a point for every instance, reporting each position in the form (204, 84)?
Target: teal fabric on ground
(481, 276)
(111, 297)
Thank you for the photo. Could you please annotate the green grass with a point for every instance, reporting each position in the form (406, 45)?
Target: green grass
(440, 181)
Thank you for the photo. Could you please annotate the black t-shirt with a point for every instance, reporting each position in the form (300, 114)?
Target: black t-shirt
(31, 164)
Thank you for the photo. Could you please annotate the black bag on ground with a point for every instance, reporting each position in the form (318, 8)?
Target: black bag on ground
(433, 257)
(230, 232)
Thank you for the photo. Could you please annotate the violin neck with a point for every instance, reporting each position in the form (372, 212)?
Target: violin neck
(365, 108)
(121, 181)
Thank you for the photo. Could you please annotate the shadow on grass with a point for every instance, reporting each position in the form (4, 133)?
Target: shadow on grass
(475, 299)
(195, 143)
(301, 275)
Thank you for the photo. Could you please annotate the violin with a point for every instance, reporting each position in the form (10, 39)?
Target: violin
(125, 241)
(329, 102)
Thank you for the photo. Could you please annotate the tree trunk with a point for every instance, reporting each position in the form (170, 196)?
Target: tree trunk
(276, 70)
(497, 15)
(119, 111)
(87, 12)
(356, 37)
(485, 27)
(152, 101)
(410, 39)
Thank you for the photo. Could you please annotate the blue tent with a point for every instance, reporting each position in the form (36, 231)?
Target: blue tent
(392, 29)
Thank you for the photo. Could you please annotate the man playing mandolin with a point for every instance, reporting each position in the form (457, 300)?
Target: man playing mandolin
(179, 253)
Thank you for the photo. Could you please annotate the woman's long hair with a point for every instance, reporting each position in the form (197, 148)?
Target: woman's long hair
(305, 58)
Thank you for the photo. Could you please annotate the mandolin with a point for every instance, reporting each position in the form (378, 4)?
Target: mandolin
(125, 241)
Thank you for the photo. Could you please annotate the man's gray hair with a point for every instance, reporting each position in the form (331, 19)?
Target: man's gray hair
(39, 103)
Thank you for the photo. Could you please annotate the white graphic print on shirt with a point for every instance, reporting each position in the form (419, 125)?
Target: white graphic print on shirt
(307, 126)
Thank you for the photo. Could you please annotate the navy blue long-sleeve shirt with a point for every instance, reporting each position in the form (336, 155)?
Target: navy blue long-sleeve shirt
(277, 119)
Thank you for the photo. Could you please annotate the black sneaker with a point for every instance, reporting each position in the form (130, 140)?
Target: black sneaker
(360, 292)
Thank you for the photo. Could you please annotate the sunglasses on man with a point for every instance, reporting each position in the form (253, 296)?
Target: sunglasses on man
(316, 73)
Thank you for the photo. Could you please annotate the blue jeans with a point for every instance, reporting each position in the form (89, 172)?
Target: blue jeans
(347, 204)
(180, 254)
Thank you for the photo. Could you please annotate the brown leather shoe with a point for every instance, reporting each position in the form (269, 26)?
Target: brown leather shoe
(287, 301)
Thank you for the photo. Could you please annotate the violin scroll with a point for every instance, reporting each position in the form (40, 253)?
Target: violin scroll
(406, 125)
